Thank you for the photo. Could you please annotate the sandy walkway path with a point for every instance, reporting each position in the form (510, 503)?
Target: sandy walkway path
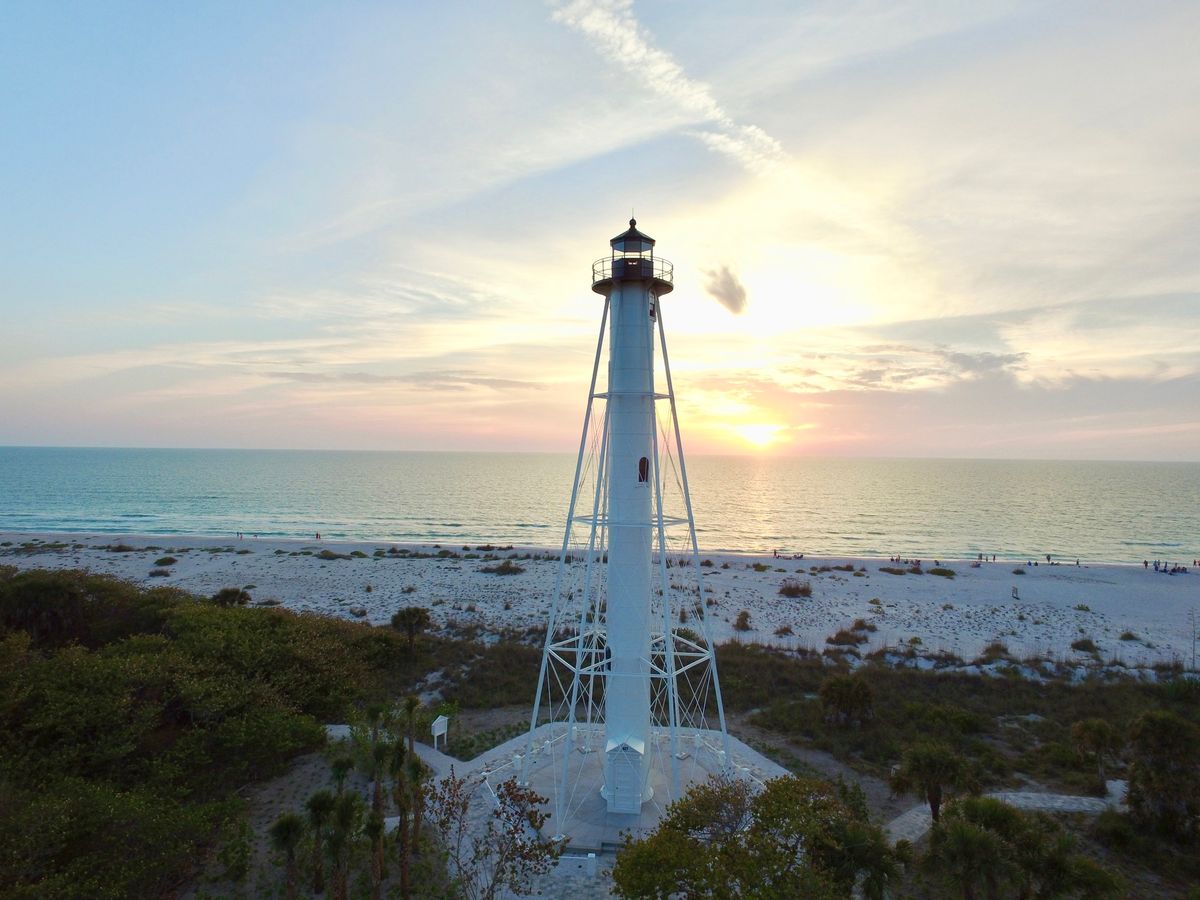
(913, 825)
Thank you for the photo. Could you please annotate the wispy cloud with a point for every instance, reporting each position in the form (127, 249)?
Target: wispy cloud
(435, 380)
(724, 287)
(619, 36)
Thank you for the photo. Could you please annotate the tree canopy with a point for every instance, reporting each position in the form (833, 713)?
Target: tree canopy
(796, 837)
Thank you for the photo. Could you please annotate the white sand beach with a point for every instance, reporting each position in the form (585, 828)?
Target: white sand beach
(1055, 606)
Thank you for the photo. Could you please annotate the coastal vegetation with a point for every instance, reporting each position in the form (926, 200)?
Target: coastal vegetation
(134, 719)
(1002, 733)
(981, 847)
(798, 837)
(507, 567)
(794, 587)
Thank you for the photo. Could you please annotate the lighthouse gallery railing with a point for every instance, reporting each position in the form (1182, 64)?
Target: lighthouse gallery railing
(609, 268)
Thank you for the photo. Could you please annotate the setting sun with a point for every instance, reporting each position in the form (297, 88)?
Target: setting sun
(758, 435)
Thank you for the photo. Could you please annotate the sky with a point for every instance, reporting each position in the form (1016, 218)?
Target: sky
(933, 229)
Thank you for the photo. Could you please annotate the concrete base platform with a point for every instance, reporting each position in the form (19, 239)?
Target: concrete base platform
(570, 774)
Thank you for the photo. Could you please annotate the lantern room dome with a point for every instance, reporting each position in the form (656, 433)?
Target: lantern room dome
(632, 241)
(632, 259)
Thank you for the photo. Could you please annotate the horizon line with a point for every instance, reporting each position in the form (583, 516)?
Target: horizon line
(567, 452)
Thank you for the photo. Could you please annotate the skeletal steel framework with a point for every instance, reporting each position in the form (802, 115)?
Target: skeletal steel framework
(631, 726)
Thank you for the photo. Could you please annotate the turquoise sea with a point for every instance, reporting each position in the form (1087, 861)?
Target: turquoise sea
(1097, 511)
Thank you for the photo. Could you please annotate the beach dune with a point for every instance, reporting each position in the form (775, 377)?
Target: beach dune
(1133, 616)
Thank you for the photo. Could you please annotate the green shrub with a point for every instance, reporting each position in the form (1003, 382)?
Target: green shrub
(231, 596)
(844, 637)
(994, 651)
(166, 561)
(1085, 645)
(793, 587)
(500, 674)
(1114, 829)
(85, 839)
(942, 572)
(506, 567)
(892, 570)
(122, 747)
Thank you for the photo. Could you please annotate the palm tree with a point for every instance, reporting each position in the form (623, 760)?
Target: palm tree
(970, 854)
(320, 806)
(415, 776)
(286, 833)
(343, 827)
(867, 855)
(381, 755)
(375, 830)
(402, 797)
(341, 767)
(411, 705)
(930, 770)
(411, 620)
(376, 718)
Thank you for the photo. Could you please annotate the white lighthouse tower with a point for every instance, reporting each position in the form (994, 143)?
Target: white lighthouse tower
(628, 709)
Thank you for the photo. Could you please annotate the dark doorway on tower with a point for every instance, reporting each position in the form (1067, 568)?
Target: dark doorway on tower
(643, 470)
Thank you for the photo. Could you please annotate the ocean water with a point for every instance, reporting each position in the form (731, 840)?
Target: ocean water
(1096, 511)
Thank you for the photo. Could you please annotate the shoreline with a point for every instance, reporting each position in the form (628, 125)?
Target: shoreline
(1133, 616)
(458, 541)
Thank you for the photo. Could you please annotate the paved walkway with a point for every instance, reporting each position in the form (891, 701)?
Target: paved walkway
(912, 825)
(439, 762)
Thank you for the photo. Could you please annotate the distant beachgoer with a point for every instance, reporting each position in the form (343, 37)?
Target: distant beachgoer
(1145, 563)
(1047, 557)
(1015, 596)
(1076, 562)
